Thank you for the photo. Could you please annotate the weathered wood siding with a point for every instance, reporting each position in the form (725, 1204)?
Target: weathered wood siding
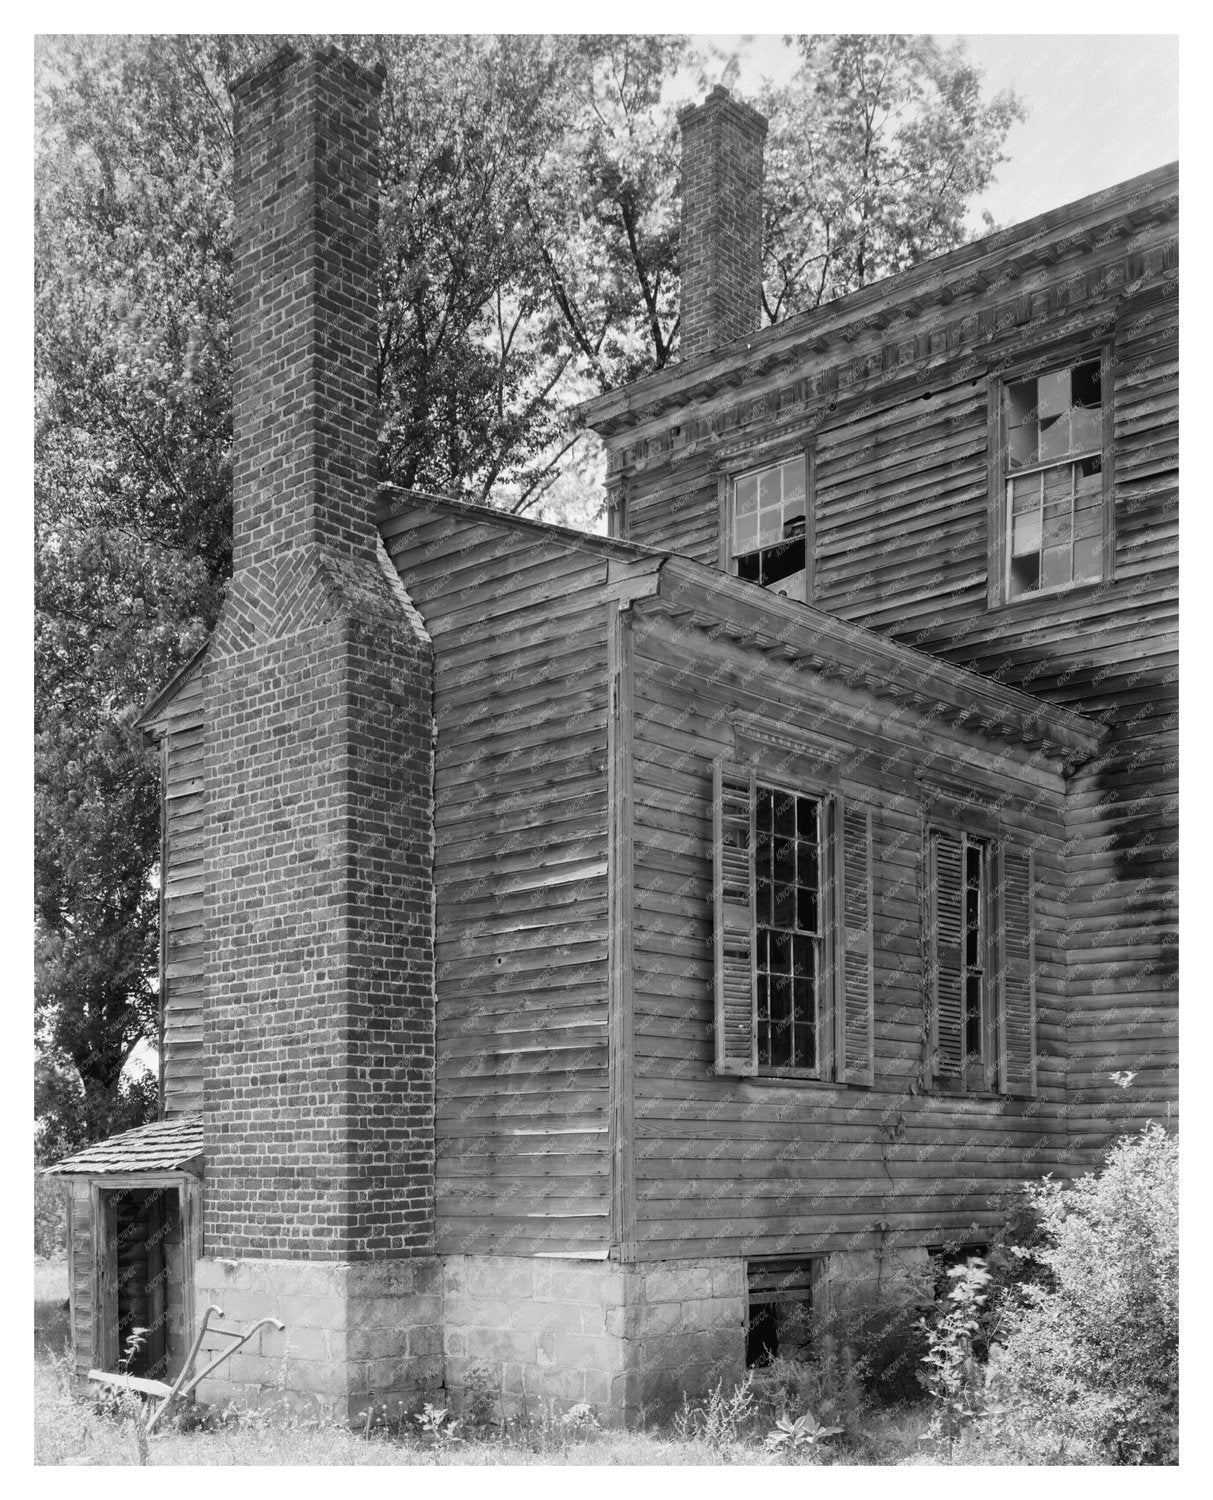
(723, 1166)
(520, 703)
(179, 731)
(897, 413)
(82, 1255)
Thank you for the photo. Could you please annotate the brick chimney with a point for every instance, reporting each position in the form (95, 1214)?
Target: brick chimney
(721, 254)
(319, 1040)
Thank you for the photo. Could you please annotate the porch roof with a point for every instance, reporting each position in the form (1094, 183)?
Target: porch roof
(159, 1147)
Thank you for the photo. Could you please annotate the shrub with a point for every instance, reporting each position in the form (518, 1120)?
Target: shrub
(1093, 1345)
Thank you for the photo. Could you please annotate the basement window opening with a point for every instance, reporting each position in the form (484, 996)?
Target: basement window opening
(781, 1296)
(945, 1258)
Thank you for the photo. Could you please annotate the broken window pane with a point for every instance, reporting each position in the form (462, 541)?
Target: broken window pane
(1054, 425)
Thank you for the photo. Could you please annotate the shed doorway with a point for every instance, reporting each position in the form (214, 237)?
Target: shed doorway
(141, 1282)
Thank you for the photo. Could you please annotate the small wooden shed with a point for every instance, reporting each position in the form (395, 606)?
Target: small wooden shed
(134, 1229)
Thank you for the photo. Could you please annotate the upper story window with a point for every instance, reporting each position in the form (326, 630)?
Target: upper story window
(767, 526)
(1054, 523)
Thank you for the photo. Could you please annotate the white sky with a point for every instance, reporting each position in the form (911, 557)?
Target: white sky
(1100, 109)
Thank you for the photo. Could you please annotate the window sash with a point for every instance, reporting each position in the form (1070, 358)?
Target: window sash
(1047, 425)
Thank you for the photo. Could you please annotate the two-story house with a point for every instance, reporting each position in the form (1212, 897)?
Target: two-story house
(602, 961)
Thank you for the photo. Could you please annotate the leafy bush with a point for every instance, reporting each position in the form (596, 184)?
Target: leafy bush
(1092, 1351)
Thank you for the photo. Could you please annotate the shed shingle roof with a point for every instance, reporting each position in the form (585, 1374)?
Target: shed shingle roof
(159, 1147)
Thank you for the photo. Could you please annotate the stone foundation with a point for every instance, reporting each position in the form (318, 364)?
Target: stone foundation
(628, 1339)
(357, 1333)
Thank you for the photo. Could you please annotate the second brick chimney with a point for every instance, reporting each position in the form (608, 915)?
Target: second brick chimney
(721, 256)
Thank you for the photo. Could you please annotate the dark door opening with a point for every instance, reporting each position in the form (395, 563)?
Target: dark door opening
(141, 1291)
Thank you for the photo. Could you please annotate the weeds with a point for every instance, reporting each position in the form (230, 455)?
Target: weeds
(950, 1371)
(721, 1421)
(793, 1435)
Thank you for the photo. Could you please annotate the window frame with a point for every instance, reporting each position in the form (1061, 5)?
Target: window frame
(990, 1081)
(826, 936)
(753, 463)
(1047, 361)
(847, 992)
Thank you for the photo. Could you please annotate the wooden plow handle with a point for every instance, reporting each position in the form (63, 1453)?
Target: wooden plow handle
(184, 1384)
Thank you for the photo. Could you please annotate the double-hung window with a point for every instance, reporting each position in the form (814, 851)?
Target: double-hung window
(767, 520)
(793, 930)
(980, 963)
(1052, 518)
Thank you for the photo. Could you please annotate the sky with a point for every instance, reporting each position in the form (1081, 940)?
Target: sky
(1100, 109)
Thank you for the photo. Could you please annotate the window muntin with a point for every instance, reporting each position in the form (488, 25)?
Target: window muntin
(788, 921)
(1053, 478)
(768, 524)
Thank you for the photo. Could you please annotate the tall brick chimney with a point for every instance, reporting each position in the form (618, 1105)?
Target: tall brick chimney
(721, 254)
(319, 1041)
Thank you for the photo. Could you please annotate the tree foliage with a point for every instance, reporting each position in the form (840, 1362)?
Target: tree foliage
(529, 223)
(876, 149)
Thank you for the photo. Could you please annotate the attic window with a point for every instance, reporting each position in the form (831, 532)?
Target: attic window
(1054, 491)
(768, 526)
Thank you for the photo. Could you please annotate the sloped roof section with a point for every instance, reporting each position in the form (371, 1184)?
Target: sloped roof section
(160, 1147)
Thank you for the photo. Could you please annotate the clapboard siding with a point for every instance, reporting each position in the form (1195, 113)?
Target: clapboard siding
(81, 1274)
(179, 731)
(728, 1166)
(520, 873)
(898, 423)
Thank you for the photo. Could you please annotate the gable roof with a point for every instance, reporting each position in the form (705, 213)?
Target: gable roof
(161, 1146)
(154, 710)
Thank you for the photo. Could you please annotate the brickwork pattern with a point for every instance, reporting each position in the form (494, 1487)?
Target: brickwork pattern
(721, 249)
(319, 1053)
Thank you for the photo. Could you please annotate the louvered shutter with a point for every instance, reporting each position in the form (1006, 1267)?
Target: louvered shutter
(1017, 1020)
(854, 992)
(948, 924)
(733, 907)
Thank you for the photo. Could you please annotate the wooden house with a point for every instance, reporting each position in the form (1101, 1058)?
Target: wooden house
(605, 961)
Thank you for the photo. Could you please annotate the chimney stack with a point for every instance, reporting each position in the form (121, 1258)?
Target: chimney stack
(721, 255)
(318, 1053)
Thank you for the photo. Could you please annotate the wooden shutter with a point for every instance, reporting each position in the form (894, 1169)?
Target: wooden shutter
(1017, 1017)
(733, 909)
(855, 969)
(947, 928)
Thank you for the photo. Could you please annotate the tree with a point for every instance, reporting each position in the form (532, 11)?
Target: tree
(529, 225)
(877, 146)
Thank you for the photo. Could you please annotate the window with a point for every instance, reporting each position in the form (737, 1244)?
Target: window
(767, 526)
(782, 1297)
(980, 962)
(787, 898)
(793, 931)
(1055, 520)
